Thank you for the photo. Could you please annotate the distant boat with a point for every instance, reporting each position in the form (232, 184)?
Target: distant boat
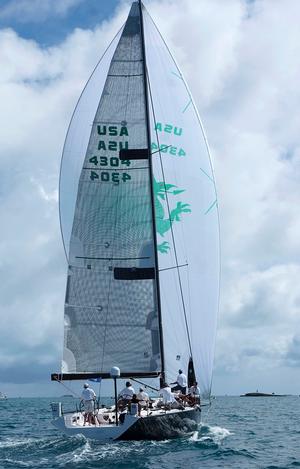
(2, 396)
(262, 394)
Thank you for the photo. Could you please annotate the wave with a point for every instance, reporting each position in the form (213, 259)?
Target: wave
(210, 434)
(15, 464)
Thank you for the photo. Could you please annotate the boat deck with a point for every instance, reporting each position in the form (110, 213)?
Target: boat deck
(106, 417)
(155, 423)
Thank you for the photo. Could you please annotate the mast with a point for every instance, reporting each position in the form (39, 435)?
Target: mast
(161, 343)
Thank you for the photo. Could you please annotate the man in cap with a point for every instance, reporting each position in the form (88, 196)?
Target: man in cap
(143, 398)
(88, 396)
(194, 393)
(125, 395)
(181, 383)
(143, 395)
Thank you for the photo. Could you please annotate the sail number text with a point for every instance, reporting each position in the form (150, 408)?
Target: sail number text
(107, 176)
(163, 148)
(104, 161)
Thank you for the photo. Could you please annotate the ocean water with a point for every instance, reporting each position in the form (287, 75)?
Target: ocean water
(235, 433)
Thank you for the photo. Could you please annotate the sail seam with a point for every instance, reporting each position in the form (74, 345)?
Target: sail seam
(113, 258)
(103, 168)
(126, 61)
(126, 76)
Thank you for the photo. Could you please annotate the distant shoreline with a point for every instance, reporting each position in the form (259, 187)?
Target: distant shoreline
(263, 394)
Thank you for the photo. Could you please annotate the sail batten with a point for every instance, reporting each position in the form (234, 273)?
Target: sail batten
(97, 375)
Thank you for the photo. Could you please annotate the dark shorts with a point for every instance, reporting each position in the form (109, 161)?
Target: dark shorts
(179, 388)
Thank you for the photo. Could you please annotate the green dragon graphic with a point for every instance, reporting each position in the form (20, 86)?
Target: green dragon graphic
(163, 220)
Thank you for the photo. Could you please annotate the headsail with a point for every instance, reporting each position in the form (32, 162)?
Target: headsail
(186, 217)
(111, 302)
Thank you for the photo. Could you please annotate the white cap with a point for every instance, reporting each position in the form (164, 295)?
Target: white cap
(86, 385)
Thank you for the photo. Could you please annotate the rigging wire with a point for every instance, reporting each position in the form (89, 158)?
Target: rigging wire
(206, 144)
(99, 393)
(148, 136)
(171, 228)
(68, 388)
(144, 384)
(209, 405)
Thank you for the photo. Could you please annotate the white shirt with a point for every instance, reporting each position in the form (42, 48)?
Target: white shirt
(143, 396)
(127, 392)
(181, 380)
(195, 391)
(167, 395)
(88, 394)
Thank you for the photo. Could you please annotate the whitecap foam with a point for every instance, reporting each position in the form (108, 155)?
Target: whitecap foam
(219, 433)
(207, 433)
(14, 463)
(11, 443)
(78, 455)
(94, 451)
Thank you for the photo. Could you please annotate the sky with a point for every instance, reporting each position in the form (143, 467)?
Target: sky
(242, 62)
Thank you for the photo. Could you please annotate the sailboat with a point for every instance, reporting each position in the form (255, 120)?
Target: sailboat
(2, 396)
(139, 220)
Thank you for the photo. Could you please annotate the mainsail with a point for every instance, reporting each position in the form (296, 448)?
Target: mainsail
(118, 311)
(111, 300)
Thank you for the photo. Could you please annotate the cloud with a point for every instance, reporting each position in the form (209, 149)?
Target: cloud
(292, 356)
(242, 62)
(35, 11)
(208, 52)
(261, 298)
(39, 88)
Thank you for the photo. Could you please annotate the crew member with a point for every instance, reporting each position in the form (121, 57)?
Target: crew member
(181, 383)
(88, 397)
(125, 395)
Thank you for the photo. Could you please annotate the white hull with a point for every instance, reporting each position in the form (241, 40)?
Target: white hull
(158, 425)
(103, 433)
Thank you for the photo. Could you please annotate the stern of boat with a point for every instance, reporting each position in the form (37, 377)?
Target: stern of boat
(158, 424)
(72, 423)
